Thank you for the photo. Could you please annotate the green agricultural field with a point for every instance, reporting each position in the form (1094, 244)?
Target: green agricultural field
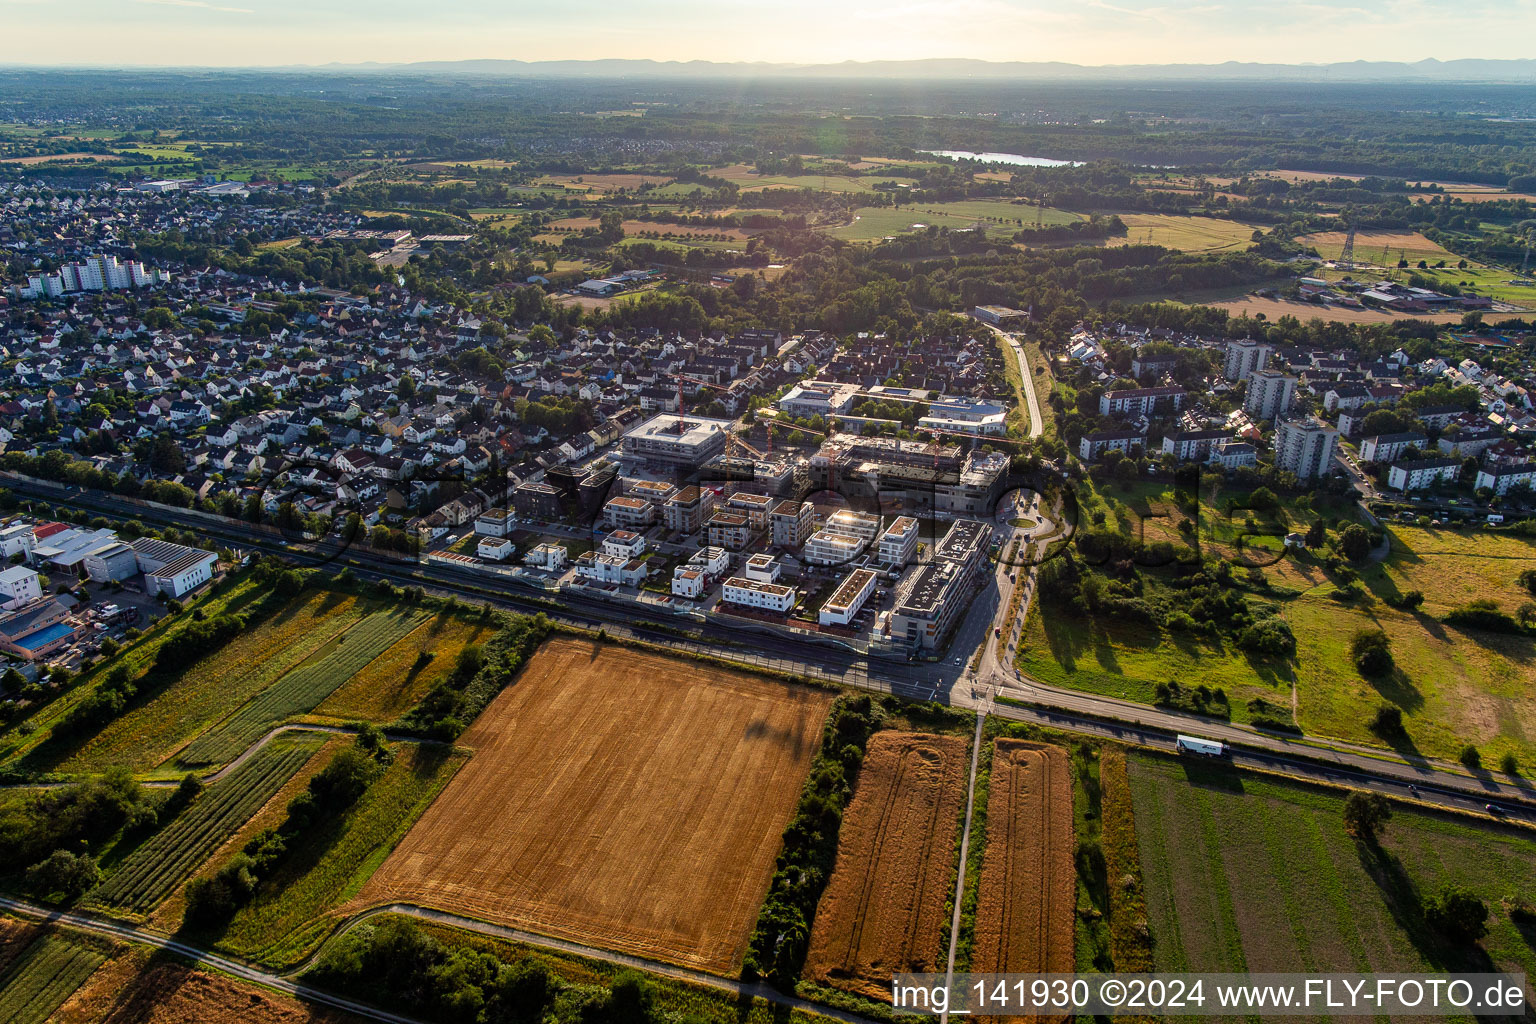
(750, 181)
(29, 743)
(998, 217)
(174, 853)
(47, 973)
(1248, 873)
(296, 908)
(1188, 234)
(304, 687)
(217, 686)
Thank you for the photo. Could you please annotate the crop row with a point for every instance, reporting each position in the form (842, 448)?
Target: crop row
(43, 977)
(304, 687)
(155, 869)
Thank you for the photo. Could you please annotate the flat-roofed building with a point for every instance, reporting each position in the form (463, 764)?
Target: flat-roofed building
(755, 506)
(1270, 395)
(1305, 448)
(494, 549)
(848, 598)
(625, 543)
(712, 561)
(1417, 474)
(729, 530)
(899, 542)
(535, 500)
(113, 562)
(547, 555)
(627, 512)
(773, 597)
(1244, 357)
(688, 510)
(688, 581)
(927, 605)
(20, 585)
(658, 443)
(654, 491)
(791, 522)
(762, 567)
(494, 522)
(601, 568)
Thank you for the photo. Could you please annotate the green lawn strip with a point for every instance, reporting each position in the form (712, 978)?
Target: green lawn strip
(38, 982)
(328, 866)
(175, 853)
(304, 687)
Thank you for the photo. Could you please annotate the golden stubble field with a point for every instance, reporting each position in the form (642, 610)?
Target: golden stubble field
(884, 909)
(619, 799)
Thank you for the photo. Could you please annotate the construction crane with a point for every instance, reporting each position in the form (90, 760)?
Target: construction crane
(730, 435)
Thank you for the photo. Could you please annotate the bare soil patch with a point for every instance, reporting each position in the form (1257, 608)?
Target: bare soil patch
(617, 798)
(1027, 895)
(883, 910)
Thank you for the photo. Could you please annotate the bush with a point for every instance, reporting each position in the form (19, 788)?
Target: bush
(1271, 636)
(63, 875)
(1371, 650)
(1457, 914)
(1470, 757)
(1483, 614)
(1509, 764)
(1388, 722)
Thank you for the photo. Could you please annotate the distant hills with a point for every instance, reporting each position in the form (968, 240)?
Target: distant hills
(1521, 72)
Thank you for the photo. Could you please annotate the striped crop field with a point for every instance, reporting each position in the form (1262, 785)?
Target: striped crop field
(304, 687)
(175, 853)
(48, 973)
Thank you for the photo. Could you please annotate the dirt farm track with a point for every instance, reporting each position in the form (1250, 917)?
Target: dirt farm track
(1028, 893)
(883, 910)
(624, 800)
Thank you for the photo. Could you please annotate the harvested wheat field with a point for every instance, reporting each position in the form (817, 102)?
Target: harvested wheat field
(138, 989)
(1028, 890)
(620, 799)
(883, 909)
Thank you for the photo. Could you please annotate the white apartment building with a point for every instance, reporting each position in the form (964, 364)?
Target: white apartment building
(1305, 447)
(1501, 479)
(848, 598)
(547, 556)
(899, 542)
(773, 597)
(624, 543)
(1421, 473)
(94, 274)
(18, 585)
(1270, 395)
(688, 581)
(1244, 357)
(763, 568)
(495, 549)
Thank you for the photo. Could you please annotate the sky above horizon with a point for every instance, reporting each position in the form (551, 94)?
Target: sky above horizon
(1092, 32)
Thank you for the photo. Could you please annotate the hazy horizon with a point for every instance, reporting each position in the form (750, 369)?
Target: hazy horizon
(1095, 33)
